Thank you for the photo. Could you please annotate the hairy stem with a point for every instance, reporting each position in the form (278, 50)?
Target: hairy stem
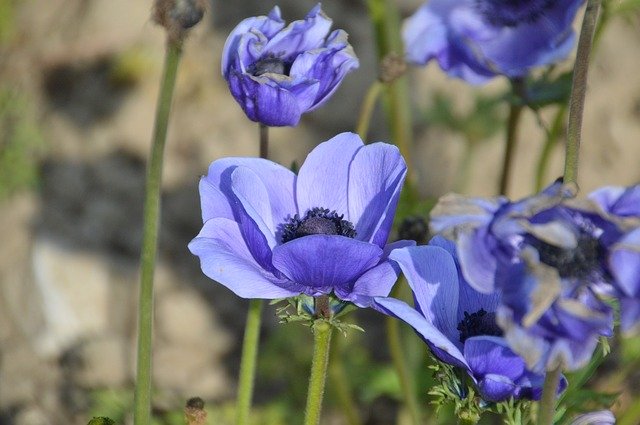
(321, 346)
(515, 111)
(368, 106)
(248, 362)
(552, 139)
(578, 91)
(547, 404)
(142, 409)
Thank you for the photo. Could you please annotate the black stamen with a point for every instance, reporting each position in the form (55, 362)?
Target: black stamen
(478, 323)
(271, 65)
(317, 221)
(510, 13)
(578, 262)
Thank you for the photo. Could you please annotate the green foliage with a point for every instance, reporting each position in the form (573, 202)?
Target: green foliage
(101, 420)
(20, 143)
(548, 89)
(7, 17)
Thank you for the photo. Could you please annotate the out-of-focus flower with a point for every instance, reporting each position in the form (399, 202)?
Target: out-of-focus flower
(624, 257)
(550, 256)
(277, 73)
(271, 234)
(601, 417)
(478, 39)
(458, 323)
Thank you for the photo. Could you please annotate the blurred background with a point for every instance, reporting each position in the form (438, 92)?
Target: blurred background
(78, 86)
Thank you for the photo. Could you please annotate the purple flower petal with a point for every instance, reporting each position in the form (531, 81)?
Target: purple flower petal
(491, 355)
(477, 261)
(424, 328)
(621, 201)
(600, 417)
(266, 25)
(433, 277)
(324, 262)
(324, 177)
(225, 258)
(629, 315)
(302, 35)
(376, 175)
(263, 101)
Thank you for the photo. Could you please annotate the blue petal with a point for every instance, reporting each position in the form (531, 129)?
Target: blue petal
(491, 355)
(225, 258)
(477, 260)
(623, 202)
(629, 315)
(600, 417)
(433, 277)
(432, 335)
(300, 36)
(376, 175)
(323, 180)
(264, 101)
(376, 282)
(324, 262)
(266, 25)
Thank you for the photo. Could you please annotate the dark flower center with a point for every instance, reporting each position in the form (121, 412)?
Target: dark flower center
(578, 262)
(510, 13)
(270, 64)
(478, 323)
(317, 221)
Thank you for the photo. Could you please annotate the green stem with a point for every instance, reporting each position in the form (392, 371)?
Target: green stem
(142, 411)
(251, 330)
(547, 404)
(515, 111)
(321, 344)
(340, 383)
(248, 362)
(368, 105)
(578, 91)
(386, 24)
(552, 139)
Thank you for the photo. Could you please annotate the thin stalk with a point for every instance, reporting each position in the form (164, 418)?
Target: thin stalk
(248, 362)
(142, 409)
(385, 17)
(341, 385)
(547, 404)
(321, 346)
(552, 139)
(515, 111)
(369, 103)
(578, 91)
(251, 330)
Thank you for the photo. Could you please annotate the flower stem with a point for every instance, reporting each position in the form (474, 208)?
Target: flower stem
(251, 330)
(578, 91)
(321, 344)
(142, 409)
(515, 111)
(385, 17)
(369, 103)
(248, 362)
(552, 139)
(547, 404)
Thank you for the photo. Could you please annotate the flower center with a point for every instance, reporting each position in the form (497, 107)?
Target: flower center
(510, 13)
(269, 65)
(478, 323)
(317, 221)
(577, 263)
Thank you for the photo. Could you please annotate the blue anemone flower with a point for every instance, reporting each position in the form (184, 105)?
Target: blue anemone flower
(549, 255)
(458, 323)
(271, 234)
(277, 73)
(478, 39)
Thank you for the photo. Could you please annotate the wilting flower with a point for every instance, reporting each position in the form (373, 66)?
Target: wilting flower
(624, 257)
(549, 255)
(600, 417)
(478, 39)
(458, 323)
(271, 234)
(277, 73)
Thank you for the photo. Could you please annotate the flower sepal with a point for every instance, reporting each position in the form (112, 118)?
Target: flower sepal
(306, 310)
(454, 387)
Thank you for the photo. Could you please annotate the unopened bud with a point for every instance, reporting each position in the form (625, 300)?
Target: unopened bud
(413, 228)
(194, 412)
(392, 67)
(178, 16)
